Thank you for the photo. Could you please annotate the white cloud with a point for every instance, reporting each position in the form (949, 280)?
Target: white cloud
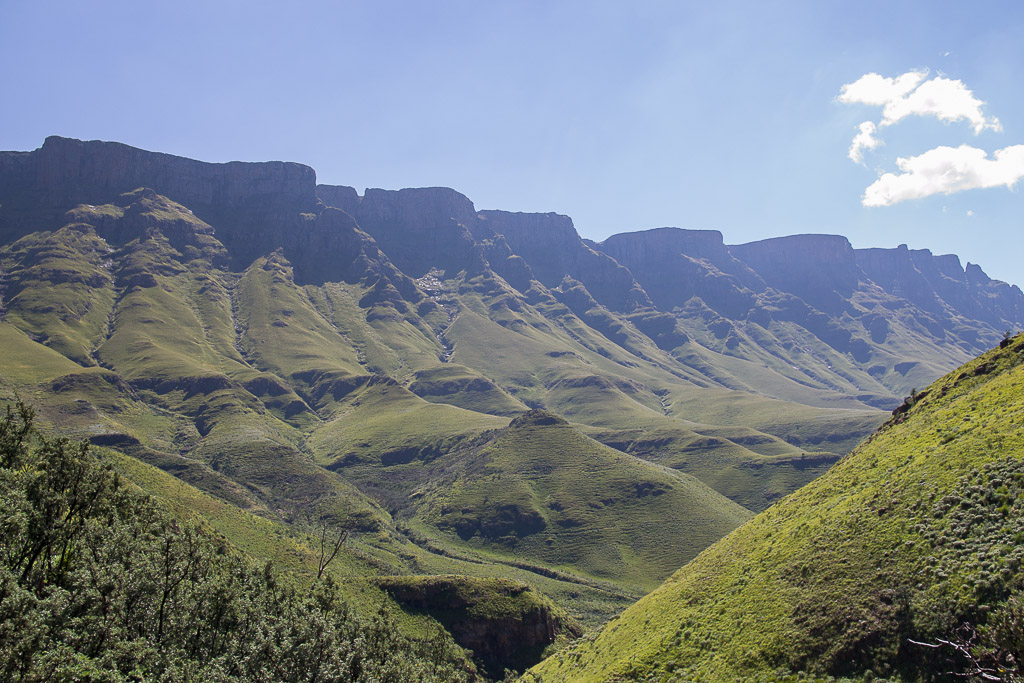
(865, 139)
(877, 90)
(911, 95)
(945, 170)
(943, 98)
(969, 212)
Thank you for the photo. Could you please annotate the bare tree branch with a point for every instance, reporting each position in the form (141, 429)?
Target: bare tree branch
(962, 647)
(329, 548)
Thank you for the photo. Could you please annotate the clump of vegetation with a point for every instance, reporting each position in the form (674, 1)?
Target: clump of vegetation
(99, 583)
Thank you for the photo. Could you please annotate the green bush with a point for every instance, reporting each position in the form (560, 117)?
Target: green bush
(99, 583)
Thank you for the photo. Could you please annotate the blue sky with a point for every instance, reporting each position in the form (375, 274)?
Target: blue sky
(624, 116)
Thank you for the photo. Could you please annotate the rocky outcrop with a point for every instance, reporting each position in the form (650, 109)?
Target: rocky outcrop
(820, 269)
(321, 247)
(339, 196)
(253, 207)
(421, 229)
(333, 248)
(674, 265)
(66, 172)
(941, 286)
(505, 623)
(895, 271)
(549, 243)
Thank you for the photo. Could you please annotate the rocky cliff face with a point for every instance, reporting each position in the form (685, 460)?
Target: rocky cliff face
(675, 265)
(256, 207)
(550, 244)
(820, 269)
(844, 318)
(339, 196)
(420, 228)
(67, 172)
(504, 623)
(940, 285)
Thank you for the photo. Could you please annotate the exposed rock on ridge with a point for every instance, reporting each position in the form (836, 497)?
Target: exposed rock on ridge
(419, 228)
(674, 265)
(550, 244)
(256, 207)
(820, 269)
(68, 172)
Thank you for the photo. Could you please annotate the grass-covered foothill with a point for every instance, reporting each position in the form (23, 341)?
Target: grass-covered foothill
(540, 490)
(905, 562)
(99, 583)
(60, 289)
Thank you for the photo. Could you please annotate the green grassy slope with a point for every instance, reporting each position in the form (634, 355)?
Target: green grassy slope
(190, 388)
(60, 289)
(477, 344)
(385, 424)
(288, 399)
(542, 491)
(229, 367)
(913, 535)
(538, 351)
(252, 437)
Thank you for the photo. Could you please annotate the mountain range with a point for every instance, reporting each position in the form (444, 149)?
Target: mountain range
(902, 563)
(470, 393)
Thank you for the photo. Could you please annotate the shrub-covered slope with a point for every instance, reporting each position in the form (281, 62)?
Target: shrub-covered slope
(915, 537)
(99, 582)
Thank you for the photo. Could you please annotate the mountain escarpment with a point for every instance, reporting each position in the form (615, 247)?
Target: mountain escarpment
(305, 352)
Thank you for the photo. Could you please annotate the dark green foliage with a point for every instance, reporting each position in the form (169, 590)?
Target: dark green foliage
(98, 583)
(1002, 640)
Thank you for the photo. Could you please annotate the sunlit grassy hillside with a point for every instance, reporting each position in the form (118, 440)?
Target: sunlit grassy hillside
(915, 536)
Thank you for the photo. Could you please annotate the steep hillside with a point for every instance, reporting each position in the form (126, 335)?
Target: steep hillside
(911, 541)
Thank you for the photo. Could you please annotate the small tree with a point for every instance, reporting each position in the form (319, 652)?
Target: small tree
(330, 545)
